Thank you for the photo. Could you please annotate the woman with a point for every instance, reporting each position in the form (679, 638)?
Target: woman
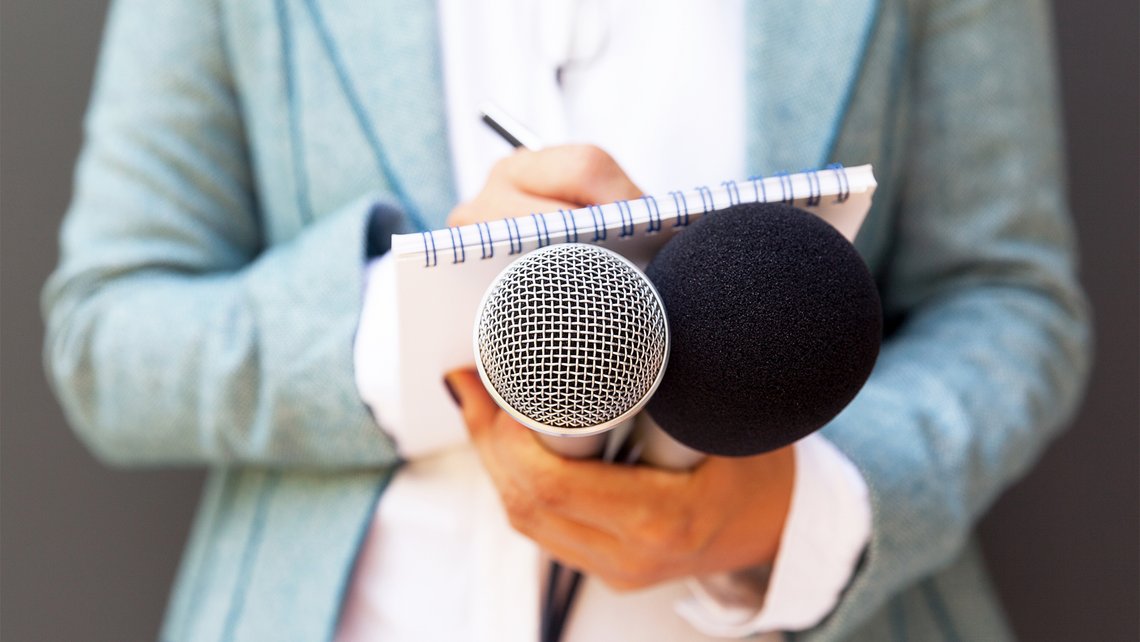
(240, 158)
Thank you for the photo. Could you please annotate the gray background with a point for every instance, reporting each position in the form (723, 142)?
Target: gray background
(89, 553)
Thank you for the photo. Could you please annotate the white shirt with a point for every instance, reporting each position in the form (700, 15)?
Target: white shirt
(659, 85)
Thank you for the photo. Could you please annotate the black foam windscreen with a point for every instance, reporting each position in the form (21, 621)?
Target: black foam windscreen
(775, 323)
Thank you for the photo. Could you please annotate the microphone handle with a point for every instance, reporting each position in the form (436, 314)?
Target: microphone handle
(589, 447)
(636, 440)
(654, 446)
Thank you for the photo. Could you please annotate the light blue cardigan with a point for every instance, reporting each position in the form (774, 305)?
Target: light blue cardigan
(205, 303)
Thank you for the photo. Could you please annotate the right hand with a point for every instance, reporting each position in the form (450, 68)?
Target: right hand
(630, 526)
(563, 177)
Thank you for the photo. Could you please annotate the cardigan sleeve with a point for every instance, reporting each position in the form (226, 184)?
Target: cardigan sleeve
(993, 346)
(173, 334)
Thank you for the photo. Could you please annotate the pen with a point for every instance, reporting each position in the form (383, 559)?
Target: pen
(510, 129)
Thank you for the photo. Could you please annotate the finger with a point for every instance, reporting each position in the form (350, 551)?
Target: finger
(593, 551)
(504, 204)
(515, 460)
(488, 424)
(621, 565)
(576, 545)
(531, 480)
(580, 174)
(629, 502)
(478, 408)
(509, 451)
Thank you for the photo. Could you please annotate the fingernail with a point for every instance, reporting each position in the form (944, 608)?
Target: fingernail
(451, 391)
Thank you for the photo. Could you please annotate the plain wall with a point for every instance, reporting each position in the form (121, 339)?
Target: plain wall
(88, 553)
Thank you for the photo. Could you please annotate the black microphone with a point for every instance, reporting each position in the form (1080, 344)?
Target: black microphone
(775, 324)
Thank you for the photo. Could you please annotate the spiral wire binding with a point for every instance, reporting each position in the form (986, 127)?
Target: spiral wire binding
(570, 234)
(759, 188)
(599, 222)
(815, 189)
(514, 235)
(681, 205)
(733, 192)
(787, 191)
(708, 204)
(844, 183)
(486, 247)
(458, 249)
(626, 214)
(542, 231)
(429, 259)
(566, 227)
(654, 214)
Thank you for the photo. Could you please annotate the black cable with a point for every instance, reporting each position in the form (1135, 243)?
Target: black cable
(563, 614)
(549, 617)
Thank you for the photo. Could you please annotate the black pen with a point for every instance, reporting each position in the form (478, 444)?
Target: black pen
(510, 129)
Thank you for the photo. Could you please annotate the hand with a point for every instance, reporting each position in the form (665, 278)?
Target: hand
(565, 177)
(630, 526)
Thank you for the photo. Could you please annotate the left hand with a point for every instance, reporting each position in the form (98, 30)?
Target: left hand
(630, 526)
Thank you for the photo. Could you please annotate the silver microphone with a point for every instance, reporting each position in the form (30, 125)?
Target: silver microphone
(571, 340)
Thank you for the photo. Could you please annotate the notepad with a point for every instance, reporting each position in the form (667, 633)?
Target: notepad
(441, 275)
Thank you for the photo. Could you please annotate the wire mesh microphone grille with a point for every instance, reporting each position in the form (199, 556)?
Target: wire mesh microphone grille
(572, 337)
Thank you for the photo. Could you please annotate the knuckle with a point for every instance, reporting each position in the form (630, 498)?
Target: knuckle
(629, 576)
(671, 532)
(461, 214)
(520, 509)
(520, 523)
(684, 536)
(503, 169)
(546, 488)
(634, 568)
(590, 161)
(643, 527)
(618, 585)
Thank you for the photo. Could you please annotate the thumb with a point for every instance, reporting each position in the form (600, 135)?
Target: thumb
(478, 408)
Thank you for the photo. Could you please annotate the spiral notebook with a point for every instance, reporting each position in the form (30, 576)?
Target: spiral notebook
(440, 276)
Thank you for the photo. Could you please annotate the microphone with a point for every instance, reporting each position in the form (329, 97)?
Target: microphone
(776, 324)
(766, 317)
(571, 340)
